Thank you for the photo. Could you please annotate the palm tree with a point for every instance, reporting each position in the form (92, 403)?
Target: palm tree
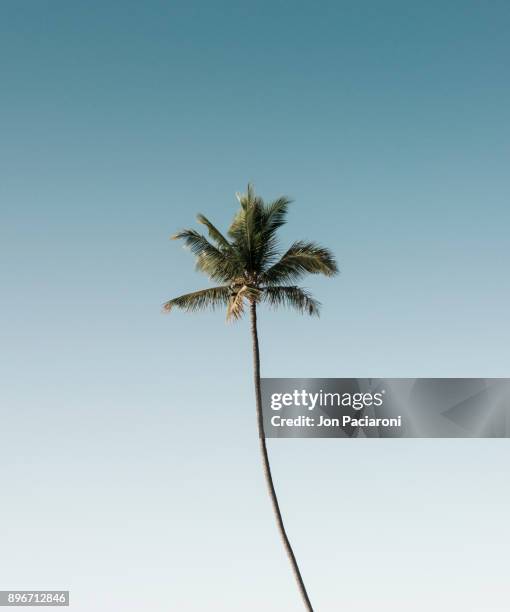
(251, 271)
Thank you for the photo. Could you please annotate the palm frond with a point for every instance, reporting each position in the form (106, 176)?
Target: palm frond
(245, 230)
(251, 205)
(197, 243)
(253, 230)
(235, 307)
(292, 297)
(214, 233)
(212, 298)
(275, 214)
(238, 296)
(217, 264)
(300, 259)
(246, 198)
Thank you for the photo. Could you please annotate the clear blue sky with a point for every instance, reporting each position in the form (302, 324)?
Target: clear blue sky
(129, 456)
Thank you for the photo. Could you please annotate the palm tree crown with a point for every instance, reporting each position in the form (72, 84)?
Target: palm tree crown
(248, 263)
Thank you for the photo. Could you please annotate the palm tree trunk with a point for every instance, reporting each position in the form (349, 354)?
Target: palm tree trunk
(265, 461)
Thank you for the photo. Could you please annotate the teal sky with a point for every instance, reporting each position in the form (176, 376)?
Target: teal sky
(129, 454)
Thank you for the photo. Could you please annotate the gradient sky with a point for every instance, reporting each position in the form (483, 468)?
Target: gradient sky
(129, 463)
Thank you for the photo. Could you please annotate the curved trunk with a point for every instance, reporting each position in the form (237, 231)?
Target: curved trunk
(265, 461)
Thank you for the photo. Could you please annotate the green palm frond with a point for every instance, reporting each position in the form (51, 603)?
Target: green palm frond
(292, 297)
(300, 259)
(249, 198)
(247, 220)
(214, 233)
(211, 260)
(197, 243)
(275, 214)
(254, 227)
(200, 300)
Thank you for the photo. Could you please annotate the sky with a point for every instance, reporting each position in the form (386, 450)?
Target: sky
(129, 459)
